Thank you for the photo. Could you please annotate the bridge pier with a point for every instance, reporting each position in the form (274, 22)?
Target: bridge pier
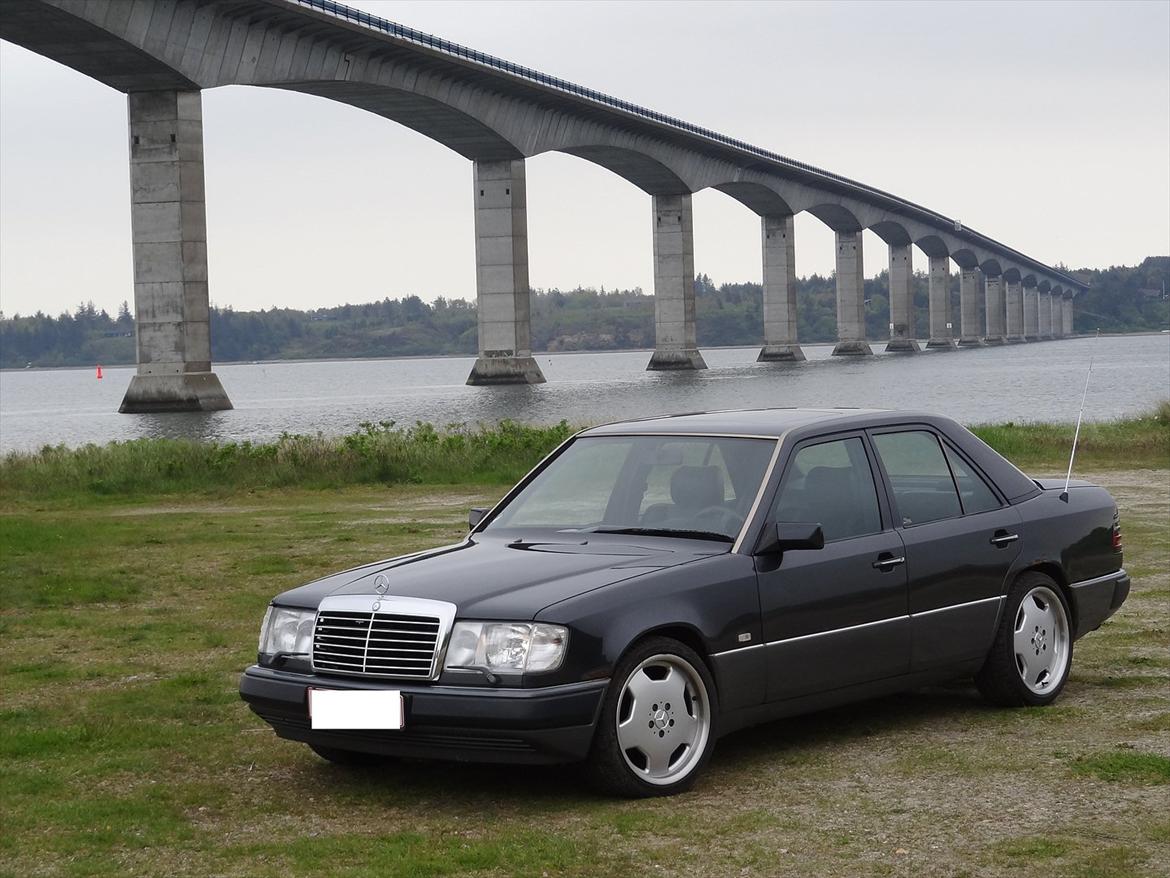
(1044, 316)
(939, 279)
(994, 311)
(901, 300)
(1066, 311)
(1031, 313)
(675, 346)
(779, 248)
(850, 297)
(502, 295)
(969, 335)
(1014, 299)
(168, 225)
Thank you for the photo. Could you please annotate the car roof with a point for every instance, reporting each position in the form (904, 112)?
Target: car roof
(768, 423)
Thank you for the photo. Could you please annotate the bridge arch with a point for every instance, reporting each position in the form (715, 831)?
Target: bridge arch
(647, 173)
(893, 233)
(437, 120)
(933, 245)
(965, 258)
(836, 216)
(991, 267)
(761, 199)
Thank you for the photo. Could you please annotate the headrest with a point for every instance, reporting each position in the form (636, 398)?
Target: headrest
(828, 482)
(696, 487)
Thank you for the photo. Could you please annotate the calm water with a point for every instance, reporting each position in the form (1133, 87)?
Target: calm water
(1040, 381)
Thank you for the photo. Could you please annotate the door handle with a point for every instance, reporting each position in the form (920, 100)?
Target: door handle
(1003, 538)
(887, 562)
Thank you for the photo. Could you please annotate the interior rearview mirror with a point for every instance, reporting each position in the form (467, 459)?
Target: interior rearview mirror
(476, 515)
(787, 535)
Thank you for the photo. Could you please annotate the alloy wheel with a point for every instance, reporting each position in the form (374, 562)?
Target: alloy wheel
(1041, 640)
(663, 719)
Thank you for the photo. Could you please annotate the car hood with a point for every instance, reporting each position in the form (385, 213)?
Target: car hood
(490, 577)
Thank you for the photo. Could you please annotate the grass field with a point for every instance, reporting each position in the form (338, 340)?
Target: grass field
(125, 750)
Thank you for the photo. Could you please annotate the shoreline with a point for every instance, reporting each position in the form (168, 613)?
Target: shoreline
(409, 357)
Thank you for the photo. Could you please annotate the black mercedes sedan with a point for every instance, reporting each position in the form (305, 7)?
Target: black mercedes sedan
(653, 585)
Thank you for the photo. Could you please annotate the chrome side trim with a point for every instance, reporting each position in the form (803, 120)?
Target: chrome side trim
(816, 634)
(998, 599)
(739, 649)
(1116, 574)
(876, 622)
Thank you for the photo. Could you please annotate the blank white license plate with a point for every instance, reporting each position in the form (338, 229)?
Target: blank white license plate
(355, 709)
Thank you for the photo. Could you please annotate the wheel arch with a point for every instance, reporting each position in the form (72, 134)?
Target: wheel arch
(1055, 572)
(685, 634)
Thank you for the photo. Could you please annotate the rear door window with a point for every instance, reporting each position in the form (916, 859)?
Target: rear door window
(923, 487)
(975, 493)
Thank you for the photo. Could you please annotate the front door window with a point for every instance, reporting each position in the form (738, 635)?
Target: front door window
(831, 484)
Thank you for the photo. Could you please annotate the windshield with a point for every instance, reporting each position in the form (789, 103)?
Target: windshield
(701, 486)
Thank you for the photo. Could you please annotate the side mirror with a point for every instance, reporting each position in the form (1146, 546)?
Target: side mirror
(786, 535)
(476, 515)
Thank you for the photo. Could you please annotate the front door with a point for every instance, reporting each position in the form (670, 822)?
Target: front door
(835, 616)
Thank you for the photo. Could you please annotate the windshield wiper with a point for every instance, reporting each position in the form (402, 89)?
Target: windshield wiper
(667, 532)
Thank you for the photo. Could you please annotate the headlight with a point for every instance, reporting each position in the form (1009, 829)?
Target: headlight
(507, 647)
(287, 630)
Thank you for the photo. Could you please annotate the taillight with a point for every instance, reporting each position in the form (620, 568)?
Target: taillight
(1116, 532)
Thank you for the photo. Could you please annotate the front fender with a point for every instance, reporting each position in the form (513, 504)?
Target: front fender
(712, 604)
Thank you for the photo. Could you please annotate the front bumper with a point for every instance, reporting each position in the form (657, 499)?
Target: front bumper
(463, 723)
(1095, 600)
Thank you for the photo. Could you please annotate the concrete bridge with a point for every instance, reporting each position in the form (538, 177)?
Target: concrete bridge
(163, 53)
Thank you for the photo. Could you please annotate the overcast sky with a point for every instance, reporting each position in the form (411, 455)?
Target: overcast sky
(1046, 126)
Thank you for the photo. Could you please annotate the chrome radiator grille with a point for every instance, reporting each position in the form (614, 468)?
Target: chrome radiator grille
(376, 644)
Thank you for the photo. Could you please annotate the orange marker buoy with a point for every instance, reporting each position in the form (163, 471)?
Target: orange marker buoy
(99, 374)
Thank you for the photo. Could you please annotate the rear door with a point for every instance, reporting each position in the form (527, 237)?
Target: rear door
(835, 616)
(961, 539)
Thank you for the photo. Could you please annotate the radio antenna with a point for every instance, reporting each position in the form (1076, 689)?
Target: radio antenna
(1080, 415)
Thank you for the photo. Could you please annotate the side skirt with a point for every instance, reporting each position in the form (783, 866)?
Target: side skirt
(751, 716)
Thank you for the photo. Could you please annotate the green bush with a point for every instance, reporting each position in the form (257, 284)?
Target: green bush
(381, 453)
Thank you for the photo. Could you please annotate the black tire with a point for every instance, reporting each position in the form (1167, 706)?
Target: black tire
(1006, 677)
(350, 758)
(613, 768)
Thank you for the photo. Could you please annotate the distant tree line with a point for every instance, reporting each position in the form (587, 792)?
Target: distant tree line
(1120, 299)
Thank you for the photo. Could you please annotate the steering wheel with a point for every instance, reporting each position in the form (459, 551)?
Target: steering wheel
(720, 519)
